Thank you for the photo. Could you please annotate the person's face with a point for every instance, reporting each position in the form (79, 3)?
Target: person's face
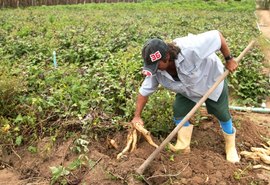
(164, 64)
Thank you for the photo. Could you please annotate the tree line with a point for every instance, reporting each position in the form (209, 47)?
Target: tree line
(25, 3)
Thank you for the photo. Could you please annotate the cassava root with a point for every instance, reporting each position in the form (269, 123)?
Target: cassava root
(132, 139)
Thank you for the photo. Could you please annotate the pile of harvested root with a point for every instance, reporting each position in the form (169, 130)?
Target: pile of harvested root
(259, 155)
(132, 139)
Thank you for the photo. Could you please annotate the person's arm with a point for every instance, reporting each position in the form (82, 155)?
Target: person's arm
(231, 64)
(141, 102)
(148, 87)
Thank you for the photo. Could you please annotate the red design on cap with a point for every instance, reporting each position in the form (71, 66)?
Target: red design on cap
(146, 73)
(156, 56)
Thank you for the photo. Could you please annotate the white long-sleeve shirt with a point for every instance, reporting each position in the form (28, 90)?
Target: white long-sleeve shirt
(197, 66)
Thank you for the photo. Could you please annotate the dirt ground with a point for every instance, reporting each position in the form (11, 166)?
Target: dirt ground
(205, 164)
(264, 22)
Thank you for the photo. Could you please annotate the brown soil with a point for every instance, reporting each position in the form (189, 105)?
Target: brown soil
(264, 22)
(205, 164)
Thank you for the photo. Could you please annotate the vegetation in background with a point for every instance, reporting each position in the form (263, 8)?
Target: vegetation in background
(98, 50)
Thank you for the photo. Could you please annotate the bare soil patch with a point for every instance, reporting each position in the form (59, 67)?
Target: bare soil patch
(205, 164)
(264, 22)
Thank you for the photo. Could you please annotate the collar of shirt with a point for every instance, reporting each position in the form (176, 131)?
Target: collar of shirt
(179, 59)
(166, 74)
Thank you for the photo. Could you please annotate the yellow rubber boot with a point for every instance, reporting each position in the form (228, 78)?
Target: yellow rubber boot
(231, 153)
(183, 140)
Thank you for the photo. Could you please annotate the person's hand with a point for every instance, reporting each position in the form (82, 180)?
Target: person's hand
(137, 120)
(231, 65)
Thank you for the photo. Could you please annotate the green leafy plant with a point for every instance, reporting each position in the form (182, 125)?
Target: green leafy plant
(60, 172)
(238, 174)
(99, 64)
(32, 149)
(11, 87)
(171, 157)
(81, 145)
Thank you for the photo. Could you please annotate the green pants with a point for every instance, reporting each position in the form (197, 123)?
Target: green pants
(220, 109)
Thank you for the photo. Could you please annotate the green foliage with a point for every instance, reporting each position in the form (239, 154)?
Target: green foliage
(99, 62)
(158, 118)
(248, 82)
(171, 157)
(32, 149)
(59, 172)
(227, 5)
(11, 87)
(18, 141)
(198, 118)
(5, 134)
(81, 145)
(239, 174)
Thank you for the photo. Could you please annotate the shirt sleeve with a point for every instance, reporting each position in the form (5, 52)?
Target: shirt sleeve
(149, 86)
(203, 44)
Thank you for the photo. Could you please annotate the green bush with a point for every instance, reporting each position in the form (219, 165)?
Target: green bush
(11, 88)
(98, 51)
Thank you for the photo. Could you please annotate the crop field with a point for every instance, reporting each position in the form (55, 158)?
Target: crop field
(69, 77)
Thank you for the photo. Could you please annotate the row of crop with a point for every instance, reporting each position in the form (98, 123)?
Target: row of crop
(27, 3)
(98, 54)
